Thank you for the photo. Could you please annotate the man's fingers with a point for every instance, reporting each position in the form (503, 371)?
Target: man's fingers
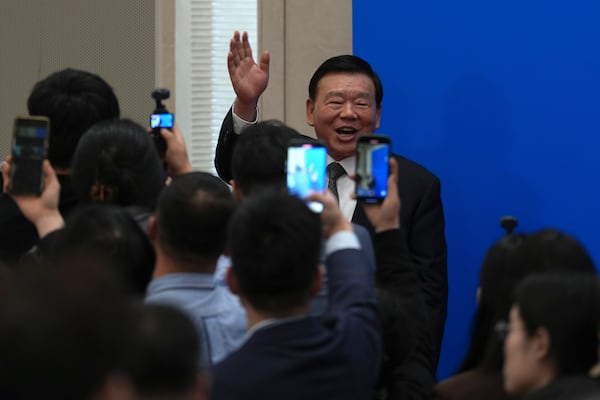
(265, 58)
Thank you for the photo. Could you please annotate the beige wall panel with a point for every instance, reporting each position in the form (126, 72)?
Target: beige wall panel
(313, 30)
(114, 38)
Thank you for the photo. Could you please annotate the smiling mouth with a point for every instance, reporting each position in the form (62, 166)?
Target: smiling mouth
(346, 131)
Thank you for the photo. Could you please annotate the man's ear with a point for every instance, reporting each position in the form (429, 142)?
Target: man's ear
(236, 190)
(317, 282)
(478, 295)
(232, 282)
(378, 120)
(541, 343)
(310, 110)
(152, 228)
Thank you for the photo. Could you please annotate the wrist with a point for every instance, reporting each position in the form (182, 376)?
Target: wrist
(49, 222)
(245, 110)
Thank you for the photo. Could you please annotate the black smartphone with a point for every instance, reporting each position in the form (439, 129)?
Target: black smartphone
(305, 168)
(29, 148)
(160, 118)
(372, 168)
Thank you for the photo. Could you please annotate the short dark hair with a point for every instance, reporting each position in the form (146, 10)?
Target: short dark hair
(109, 232)
(163, 357)
(568, 307)
(275, 242)
(260, 154)
(116, 162)
(63, 331)
(74, 100)
(345, 64)
(193, 213)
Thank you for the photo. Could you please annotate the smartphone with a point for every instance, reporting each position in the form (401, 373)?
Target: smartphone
(160, 118)
(372, 168)
(305, 169)
(29, 148)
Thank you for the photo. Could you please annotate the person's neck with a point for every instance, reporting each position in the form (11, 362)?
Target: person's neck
(166, 265)
(255, 316)
(546, 375)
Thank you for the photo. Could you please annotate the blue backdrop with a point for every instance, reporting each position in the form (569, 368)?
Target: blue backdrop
(501, 99)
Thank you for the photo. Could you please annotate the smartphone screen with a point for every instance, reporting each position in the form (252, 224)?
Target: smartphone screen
(372, 168)
(162, 120)
(29, 144)
(306, 164)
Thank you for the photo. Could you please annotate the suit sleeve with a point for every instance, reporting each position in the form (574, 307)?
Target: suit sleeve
(428, 248)
(225, 146)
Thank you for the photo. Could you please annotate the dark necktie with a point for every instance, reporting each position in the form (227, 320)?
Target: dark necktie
(334, 172)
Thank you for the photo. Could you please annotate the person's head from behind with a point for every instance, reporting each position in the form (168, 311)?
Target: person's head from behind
(259, 158)
(110, 233)
(191, 222)
(63, 333)
(74, 100)
(163, 356)
(275, 243)
(344, 102)
(553, 331)
(493, 271)
(116, 162)
(547, 251)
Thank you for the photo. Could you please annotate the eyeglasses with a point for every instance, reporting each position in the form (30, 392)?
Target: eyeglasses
(501, 330)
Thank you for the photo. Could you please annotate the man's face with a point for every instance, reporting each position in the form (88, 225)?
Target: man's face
(344, 109)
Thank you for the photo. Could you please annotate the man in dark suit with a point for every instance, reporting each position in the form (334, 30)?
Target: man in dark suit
(344, 103)
(275, 245)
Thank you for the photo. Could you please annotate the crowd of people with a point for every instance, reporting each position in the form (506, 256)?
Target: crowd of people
(133, 276)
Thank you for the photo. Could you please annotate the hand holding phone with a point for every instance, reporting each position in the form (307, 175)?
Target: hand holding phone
(372, 168)
(305, 167)
(28, 151)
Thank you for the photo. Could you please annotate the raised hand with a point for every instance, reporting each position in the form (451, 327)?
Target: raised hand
(332, 219)
(248, 78)
(386, 216)
(176, 155)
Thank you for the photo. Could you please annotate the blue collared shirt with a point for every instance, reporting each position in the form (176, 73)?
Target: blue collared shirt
(217, 313)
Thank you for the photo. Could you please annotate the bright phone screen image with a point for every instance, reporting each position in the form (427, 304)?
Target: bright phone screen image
(161, 120)
(372, 169)
(306, 164)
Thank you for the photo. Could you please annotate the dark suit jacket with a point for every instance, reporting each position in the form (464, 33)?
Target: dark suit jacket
(421, 218)
(334, 356)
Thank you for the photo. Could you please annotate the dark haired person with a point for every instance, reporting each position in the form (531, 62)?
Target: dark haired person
(74, 100)
(544, 252)
(552, 340)
(275, 245)
(344, 102)
(190, 233)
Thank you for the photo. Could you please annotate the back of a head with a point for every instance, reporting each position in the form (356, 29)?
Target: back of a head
(568, 307)
(547, 251)
(192, 218)
(345, 64)
(275, 242)
(163, 357)
(493, 271)
(259, 156)
(116, 162)
(74, 100)
(63, 332)
(109, 232)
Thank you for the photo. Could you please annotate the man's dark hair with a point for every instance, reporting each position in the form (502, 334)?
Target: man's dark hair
(116, 162)
(568, 307)
(74, 100)
(163, 357)
(63, 331)
(275, 242)
(259, 156)
(193, 213)
(345, 64)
